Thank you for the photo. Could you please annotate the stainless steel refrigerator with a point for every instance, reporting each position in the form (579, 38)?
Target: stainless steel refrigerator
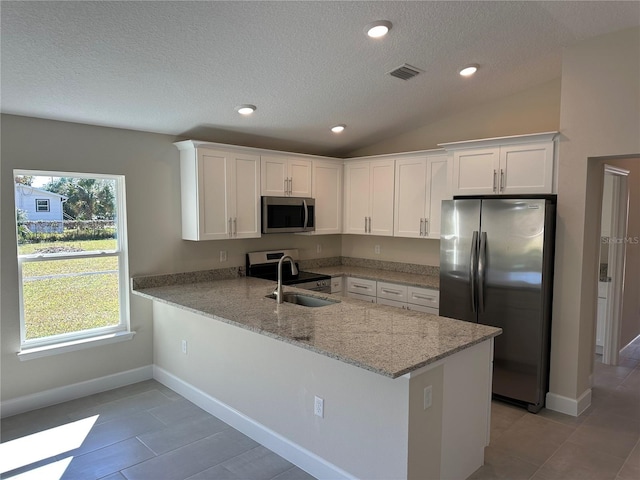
(496, 268)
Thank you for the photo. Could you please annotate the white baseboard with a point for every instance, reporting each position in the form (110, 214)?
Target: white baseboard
(569, 406)
(71, 392)
(299, 456)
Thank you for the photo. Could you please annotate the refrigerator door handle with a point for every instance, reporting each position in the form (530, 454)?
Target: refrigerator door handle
(473, 264)
(482, 261)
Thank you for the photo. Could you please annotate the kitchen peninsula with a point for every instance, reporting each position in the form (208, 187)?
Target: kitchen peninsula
(404, 394)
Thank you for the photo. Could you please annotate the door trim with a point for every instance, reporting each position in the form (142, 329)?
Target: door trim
(617, 254)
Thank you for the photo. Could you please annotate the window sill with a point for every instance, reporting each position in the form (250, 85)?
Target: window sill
(73, 345)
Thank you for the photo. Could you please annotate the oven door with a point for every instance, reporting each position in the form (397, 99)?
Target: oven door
(288, 214)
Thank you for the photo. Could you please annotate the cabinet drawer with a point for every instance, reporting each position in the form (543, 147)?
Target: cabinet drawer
(391, 303)
(422, 308)
(360, 296)
(361, 286)
(392, 291)
(423, 296)
(336, 284)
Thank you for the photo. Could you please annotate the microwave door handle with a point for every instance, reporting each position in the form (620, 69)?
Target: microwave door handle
(306, 213)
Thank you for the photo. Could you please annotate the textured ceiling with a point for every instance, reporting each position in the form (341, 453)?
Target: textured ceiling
(181, 67)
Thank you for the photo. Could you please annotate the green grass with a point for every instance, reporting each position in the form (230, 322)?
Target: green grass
(76, 301)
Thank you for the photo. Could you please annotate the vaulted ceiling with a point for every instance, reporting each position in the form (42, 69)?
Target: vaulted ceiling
(182, 67)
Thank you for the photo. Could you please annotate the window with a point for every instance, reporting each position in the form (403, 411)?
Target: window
(42, 205)
(73, 280)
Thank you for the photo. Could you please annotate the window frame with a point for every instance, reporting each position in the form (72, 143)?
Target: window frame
(81, 338)
(47, 204)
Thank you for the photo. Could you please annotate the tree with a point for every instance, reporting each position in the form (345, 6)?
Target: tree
(88, 198)
(24, 179)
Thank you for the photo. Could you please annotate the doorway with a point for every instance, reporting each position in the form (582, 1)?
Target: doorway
(614, 212)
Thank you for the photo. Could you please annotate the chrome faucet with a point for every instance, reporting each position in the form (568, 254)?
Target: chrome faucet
(294, 271)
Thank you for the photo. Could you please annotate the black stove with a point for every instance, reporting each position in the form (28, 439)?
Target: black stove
(265, 265)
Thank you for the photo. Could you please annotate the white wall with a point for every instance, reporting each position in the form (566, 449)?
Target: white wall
(600, 116)
(150, 164)
(536, 109)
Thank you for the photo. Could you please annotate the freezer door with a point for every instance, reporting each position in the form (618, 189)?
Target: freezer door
(510, 287)
(458, 249)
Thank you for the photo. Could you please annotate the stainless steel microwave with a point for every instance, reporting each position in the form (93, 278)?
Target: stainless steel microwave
(288, 214)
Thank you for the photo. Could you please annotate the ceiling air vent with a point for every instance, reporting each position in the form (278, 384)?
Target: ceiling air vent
(405, 72)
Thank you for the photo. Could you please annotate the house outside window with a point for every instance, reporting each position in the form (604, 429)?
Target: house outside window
(73, 280)
(42, 205)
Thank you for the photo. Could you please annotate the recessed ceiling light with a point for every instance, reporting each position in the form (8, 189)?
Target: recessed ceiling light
(338, 128)
(469, 70)
(245, 109)
(378, 29)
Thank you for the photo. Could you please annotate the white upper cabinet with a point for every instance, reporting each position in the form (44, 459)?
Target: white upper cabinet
(421, 183)
(220, 193)
(521, 164)
(327, 191)
(368, 197)
(286, 177)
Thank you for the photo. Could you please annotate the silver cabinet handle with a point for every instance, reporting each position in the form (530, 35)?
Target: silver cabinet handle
(369, 224)
(421, 297)
(495, 174)
(365, 224)
(501, 180)
(421, 226)
(359, 286)
(384, 290)
(286, 187)
(290, 186)
(235, 227)
(426, 227)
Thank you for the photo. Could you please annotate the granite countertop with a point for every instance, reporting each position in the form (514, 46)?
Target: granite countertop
(385, 340)
(411, 279)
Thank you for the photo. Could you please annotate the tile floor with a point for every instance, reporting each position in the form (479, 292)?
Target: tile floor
(143, 431)
(146, 431)
(602, 443)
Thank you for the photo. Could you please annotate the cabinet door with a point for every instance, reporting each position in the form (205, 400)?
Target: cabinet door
(215, 211)
(327, 190)
(356, 197)
(410, 195)
(274, 176)
(437, 191)
(526, 168)
(245, 194)
(476, 171)
(382, 192)
(299, 177)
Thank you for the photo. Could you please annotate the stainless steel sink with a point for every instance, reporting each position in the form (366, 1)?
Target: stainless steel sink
(304, 300)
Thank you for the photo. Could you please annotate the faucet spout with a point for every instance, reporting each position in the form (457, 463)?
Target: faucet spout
(294, 271)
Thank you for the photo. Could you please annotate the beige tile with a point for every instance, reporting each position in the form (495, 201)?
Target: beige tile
(608, 433)
(533, 438)
(574, 462)
(502, 417)
(624, 402)
(632, 380)
(498, 463)
(631, 468)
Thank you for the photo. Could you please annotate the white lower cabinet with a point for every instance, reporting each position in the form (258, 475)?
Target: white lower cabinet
(362, 289)
(337, 285)
(417, 299)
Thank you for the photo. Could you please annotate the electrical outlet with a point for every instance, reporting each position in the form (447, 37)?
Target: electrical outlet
(223, 255)
(318, 407)
(318, 248)
(184, 347)
(427, 396)
(377, 249)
